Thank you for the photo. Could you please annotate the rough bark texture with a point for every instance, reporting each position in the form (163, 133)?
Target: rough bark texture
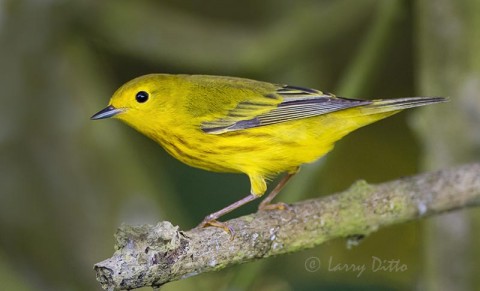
(154, 255)
(448, 63)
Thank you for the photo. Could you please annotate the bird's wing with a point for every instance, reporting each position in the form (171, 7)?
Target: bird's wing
(286, 103)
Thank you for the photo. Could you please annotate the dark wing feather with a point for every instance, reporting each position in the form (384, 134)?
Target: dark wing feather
(296, 103)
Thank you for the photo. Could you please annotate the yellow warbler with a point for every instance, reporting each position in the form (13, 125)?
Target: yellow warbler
(228, 124)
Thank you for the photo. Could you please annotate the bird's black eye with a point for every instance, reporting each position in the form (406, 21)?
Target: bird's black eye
(141, 96)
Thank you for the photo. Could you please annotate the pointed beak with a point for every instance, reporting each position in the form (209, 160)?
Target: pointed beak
(106, 113)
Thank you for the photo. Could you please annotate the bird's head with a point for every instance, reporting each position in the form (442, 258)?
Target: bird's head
(143, 103)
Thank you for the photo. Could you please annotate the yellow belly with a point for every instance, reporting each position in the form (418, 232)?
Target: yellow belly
(266, 150)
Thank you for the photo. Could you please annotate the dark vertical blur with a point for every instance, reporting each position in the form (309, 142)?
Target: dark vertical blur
(451, 254)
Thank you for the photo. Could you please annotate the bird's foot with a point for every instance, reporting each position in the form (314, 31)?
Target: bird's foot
(212, 222)
(274, 206)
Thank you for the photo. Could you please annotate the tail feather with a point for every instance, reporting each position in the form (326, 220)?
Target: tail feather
(387, 105)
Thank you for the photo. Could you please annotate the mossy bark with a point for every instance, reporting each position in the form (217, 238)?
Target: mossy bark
(154, 255)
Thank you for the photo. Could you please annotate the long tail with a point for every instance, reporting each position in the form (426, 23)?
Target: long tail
(388, 105)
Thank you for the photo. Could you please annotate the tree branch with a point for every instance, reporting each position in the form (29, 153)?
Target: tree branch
(154, 255)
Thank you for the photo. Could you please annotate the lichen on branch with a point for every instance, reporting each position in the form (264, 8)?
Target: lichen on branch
(152, 255)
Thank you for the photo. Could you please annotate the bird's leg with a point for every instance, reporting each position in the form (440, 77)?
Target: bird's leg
(211, 219)
(265, 204)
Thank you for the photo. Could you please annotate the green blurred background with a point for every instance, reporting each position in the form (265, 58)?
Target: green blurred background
(66, 183)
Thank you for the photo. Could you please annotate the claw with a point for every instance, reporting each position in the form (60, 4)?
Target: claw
(215, 223)
(265, 204)
(275, 206)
